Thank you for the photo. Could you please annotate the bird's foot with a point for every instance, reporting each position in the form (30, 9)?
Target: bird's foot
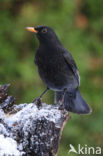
(38, 101)
(60, 104)
(62, 109)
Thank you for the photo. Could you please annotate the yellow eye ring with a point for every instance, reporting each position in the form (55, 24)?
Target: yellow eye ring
(44, 31)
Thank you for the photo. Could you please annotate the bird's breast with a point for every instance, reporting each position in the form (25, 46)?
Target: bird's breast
(53, 70)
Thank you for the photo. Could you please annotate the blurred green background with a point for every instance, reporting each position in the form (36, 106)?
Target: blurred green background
(79, 25)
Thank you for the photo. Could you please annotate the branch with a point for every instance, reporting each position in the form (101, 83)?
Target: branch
(27, 129)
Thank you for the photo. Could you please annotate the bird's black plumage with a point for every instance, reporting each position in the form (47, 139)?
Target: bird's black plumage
(58, 70)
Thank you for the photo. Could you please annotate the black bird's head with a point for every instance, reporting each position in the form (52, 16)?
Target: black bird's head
(44, 34)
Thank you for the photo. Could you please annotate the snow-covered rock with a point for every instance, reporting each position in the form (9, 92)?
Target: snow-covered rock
(31, 130)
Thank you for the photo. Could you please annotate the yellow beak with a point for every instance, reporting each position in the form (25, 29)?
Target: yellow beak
(31, 29)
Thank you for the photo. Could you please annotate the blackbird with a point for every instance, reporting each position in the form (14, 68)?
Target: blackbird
(58, 70)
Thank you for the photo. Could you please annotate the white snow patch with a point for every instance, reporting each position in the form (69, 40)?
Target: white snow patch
(1, 114)
(3, 130)
(31, 111)
(8, 146)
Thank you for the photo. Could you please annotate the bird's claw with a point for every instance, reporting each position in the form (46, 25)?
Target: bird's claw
(38, 101)
(60, 104)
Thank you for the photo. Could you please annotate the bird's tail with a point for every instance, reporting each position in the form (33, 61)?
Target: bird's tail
(74, 102)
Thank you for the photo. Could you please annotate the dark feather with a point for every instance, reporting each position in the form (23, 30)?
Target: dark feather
(72, 65)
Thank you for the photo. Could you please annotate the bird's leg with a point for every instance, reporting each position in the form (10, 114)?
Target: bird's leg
(38, 100)
(44, 92)
(61, 102)
(63, 95)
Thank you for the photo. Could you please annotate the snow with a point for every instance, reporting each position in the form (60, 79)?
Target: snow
(1, 114)
(31, 111)
(8, 146)
(3, 130)
(24, 122)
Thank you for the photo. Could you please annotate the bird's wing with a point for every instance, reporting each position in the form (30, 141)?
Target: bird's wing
(72, 65)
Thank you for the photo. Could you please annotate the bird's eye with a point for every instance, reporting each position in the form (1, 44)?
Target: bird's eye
(44, 30)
